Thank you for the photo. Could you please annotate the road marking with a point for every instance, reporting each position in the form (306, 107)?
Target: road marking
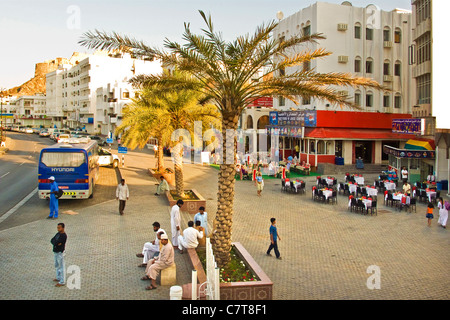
(22, 163)
(17, 206)
(4, 175)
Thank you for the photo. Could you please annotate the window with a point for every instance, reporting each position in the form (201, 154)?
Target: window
(386, 68)
(281, 101)
(397, 102)
(282, 72)
(126, 95)
(369, 66)
(398, 69)
(369, 99)
(423, 48)
(386, 35)
(306, 100)
(369, 34)
(357, 64)
(358, 99)
(423, 10)
(424, 89)
(386, 101)
(306, 65)
(63, 159)
(357, 32)
(397, 36)
(307, 31)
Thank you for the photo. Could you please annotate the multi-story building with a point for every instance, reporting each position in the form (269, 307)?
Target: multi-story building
(73, 89)
(31, 111)
(367, 42)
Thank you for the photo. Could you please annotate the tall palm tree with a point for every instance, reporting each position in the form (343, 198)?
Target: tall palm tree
(235, 74)
(160, 114)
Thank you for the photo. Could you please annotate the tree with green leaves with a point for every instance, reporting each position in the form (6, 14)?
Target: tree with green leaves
(234, 74)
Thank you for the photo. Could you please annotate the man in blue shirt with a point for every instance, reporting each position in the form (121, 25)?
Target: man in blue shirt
(53, 200)
(274, 236)
(202, 216)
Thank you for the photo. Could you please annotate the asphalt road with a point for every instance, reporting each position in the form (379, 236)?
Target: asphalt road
(19, 201)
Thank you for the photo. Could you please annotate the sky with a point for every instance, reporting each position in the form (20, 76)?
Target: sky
(33, 31)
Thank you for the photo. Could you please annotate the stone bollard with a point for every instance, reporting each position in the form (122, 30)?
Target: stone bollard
(176, 293)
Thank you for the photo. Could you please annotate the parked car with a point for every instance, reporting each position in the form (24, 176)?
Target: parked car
(100, 140)
(62, 137)
(106, 158)
(44, 133)
(29, 130)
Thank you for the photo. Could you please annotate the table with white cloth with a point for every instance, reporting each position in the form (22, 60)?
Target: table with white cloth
(399, 197)
(367, 203)
(431, 195)
(390, 185)
(359, 180)
(327, 193)
(372, 191)
(351, 187)
(329, 182)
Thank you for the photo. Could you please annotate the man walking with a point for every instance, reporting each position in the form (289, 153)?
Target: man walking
(151, 249)
(59, 245)
(122, 194)
(189, 238)
(53, 200)
(175, 221)
(274, 236)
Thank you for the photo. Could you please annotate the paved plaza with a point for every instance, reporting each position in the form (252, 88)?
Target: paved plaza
(326, 249)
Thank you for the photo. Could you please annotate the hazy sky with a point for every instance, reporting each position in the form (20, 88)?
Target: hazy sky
(32, 31)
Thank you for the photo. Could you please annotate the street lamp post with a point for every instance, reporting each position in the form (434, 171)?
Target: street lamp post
(2, 137)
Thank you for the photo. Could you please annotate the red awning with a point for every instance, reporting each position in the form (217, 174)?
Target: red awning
(354, 134)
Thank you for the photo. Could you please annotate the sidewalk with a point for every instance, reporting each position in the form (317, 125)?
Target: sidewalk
(326, 249)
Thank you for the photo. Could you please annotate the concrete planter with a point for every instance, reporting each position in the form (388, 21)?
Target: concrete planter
(251, 290)
(190, 206)
(169, 176)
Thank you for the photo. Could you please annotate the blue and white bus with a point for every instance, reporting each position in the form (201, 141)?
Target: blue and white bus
(75, 168)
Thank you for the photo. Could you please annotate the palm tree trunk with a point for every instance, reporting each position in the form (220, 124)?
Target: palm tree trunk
(225, 195)
(178, 165)
(160, 159)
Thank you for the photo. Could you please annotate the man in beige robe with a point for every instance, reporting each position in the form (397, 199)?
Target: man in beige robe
(163, 261)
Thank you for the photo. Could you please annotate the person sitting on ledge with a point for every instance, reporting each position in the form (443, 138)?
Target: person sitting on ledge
(189, 237)
(162, 187)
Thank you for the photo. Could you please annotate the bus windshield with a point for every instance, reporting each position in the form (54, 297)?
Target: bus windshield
(63, 159)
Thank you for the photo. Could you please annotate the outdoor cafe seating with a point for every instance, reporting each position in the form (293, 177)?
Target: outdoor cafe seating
(325, 195)
(362, 205)
(293, 186)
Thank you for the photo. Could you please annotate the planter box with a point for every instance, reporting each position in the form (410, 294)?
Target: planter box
(169, 176)
(190, 206)
(250, 290)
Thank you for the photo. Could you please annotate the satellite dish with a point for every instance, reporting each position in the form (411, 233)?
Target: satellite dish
(280, 15)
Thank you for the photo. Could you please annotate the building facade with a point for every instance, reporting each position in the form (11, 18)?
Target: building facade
(367, 42)
(73, 89)
(31, 111)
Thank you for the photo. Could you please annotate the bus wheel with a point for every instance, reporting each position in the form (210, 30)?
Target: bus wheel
(115, 163)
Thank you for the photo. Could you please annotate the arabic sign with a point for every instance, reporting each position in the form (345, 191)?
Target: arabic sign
(406, 153)
(300, 118)
(412, 126)
(294, 132)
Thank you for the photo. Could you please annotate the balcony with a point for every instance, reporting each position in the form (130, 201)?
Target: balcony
(388, 78)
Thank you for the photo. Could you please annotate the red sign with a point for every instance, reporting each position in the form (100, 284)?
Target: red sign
(262, 102)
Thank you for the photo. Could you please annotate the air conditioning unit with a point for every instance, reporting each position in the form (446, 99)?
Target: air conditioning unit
(342, 27)
(343, 93)
(342, 59)
(387, 78)
(387, 44)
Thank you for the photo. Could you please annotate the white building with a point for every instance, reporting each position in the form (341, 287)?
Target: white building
(31, 111)
(73, 89)
(367, 42)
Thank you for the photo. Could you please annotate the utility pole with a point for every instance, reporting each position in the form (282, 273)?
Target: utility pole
(2, 94)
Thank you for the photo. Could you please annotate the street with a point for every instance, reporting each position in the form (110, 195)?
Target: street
(18, 182)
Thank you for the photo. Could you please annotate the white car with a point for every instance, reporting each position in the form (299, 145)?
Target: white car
(29, 130)
(106, 158)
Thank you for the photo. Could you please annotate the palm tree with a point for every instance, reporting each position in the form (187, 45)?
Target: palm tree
(234, 74)
(161, 114)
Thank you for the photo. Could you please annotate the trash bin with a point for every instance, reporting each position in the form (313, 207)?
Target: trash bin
(339, 161)
(444, 184)
(176, 292)
(359, 164)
